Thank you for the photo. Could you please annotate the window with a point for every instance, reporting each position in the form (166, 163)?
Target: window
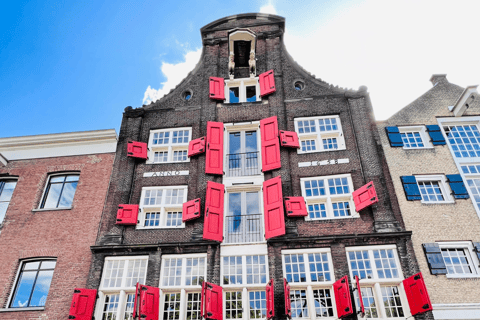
(117, 287)
(6, 191)
(181, 280)
(59, 191)
(434, 189)
(244, 280)
(318, 134)
(310, 276)
(472, 177)
(378, 269)
(464, 140)
(33, 283)
(328, 197)
(243, 157)
(460, 259)
(169, 145)
(161, 207)
(415, 137)
(242, 90)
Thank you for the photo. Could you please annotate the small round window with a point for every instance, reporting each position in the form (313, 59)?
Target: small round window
(187, 95)
(299, 85)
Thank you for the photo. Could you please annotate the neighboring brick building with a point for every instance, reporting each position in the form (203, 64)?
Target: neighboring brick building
(432, 148)
(52, 193)
(244, 89)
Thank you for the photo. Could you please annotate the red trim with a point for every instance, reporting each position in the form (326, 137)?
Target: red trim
(417, 294)
(214, 156)
(289, 139)
(213, 222)
(196, 146)
(342, 297)
(267, 83)
(273, 208)
(270, 144)
(127, 214)
(217, 88)
(213, 301)
(191, 210)
(83, 304)
(359, 291)
(137, 149)
(269, 291)
(288, 303)
(296, 207)
(365, 196)
(136, 302)
(149, 300)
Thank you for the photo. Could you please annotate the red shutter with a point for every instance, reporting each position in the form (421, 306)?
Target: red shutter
(149, 300)
(270, 300)
(191, 210)
(127, 214)
(296, 207)
(202, 301)
(213, 223)
(417, 294)
(196, 146)
(273, 208)
(288, 303)
(365, 196)
(83, 304)
(137, 149)
(267, 83)
(270, 144)
(359, 291)
(289, 139)
(214, 157)
(217, 88)
(342, 297)
(212, 304)
(136, 302)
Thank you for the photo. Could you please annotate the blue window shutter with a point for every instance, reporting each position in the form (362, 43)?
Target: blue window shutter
(434, 258)
(436, 135)
(394, 137)
(476, 248)
(411, 188)
(458, 187)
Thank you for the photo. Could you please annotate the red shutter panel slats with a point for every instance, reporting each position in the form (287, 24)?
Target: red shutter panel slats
(270, 299)
(342, 297)
(267, 83)
(217, 88)
(83, 304)
(417, 294)
(213, 223)
(288, 303)
(359, 291)
(273, 208)
(137, 149)
(196, 146)
(296, 207)
(289, 139)
(127, 214)
(149, 300)
(191, 210)
(270, 144)
(365, 196)
(214, 157)
(212, 301)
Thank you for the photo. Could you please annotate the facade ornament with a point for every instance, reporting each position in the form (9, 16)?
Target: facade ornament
(252, 64)
(231, 66)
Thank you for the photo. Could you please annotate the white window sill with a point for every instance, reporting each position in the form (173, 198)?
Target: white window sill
(335, 218)
(317, 151)
(160, 227)
(52, 209)
(22, 309)
(463, 276)
(418, 148)
(167, 162)
(437, 202)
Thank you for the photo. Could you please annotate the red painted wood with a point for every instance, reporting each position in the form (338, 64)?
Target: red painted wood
(359, 291)
(269, 292)
(149, 300)
(191, 210)
(288, 303)
(127, 214)
(213, 301)
(273, 208)
(417, 294)
(136, 301)
(365, 196)
(342, 297)
(289, 139)
(213, 223)
(196, 146)
(267, 83)
(296, 207)
(270, 144)
(214, 156)
(83, 304)
(217, 88)
(137, 149)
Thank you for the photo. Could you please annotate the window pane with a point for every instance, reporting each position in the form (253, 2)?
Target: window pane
(172, 272)
(232, 270)
(295, 268)
(456, 261)
(299, 305)
(72, 178)
(430, 191)
(195, 271)
(129, 307)
(251, 141)
(323, 303)
(385, 263)
(136, 272)
(368, 302)
(53, 196)
(234, 95)
(258, 304)
(6, 190)
(360, 264)
(67, 194)
(113, 273)
(42, 285)
(31, 265)
(464, 140)
(233, 305)
(252, 203)
(48, 264)
(392, 302)
(24, 289)
(256, 270)
(152, 219)
(251, 94)
(171, 307)
(319, 269)
(193, 306)
(110, 307)
(317, 211)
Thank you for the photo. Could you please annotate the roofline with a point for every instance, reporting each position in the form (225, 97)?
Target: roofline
(254, 15)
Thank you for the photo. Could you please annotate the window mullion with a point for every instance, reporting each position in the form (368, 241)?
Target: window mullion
(245, 304)
(244, 270)
(372, 263)
(310, 303)
(378, 300)
(121, 304)
(183, 303)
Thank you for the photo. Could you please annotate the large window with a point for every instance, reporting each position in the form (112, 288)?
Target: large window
(328, 197)
(6, 192)
(460, 259)
(169, 145)
(319, 134)
(161, 207)
(242, 90)
(243, 155)
(117, 287)
(380, 275)
(472, 178)
(33, 283)
(310, 275)
(464, 140)
(59, 191)
(181, 284)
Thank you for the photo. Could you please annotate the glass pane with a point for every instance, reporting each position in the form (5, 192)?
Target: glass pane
(53, 196)
(234, 95)
(24, 289)
(3, 210)
(234, 143)
(251, 94)
(72, 178)
(7, 191)
(42, 286)
(252, 203)
(48, 264)
(67, 194)
(234, 204)
(57, 179)
(31, 265)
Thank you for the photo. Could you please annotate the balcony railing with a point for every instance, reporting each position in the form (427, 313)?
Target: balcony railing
(244, 229)
(242, 164)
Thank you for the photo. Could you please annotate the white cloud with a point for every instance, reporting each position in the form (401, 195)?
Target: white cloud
(268, 8)
(174, 74)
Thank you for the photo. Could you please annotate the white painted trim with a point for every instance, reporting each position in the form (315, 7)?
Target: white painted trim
(319, 135)
(166, 173)
(170, 147)
(456, 311)
(3, 160)
(183, 275)
(244, 249)
(444, 187)
(427, 144)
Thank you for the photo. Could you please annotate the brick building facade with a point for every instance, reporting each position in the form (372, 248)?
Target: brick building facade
(52, 193)
(245, 89)
(431, 147)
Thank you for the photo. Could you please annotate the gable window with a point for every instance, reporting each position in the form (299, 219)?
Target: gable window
(33, 283)
(161, 207)
(415, 137)
(464, 140)
(309, 273)
(328, 197)
(6, 192)
(242, 90)
(59, 191)
(169, 145)
(318, 134)
(460, 259)
(434, 189)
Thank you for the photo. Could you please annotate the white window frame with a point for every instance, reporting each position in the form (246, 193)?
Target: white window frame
(377, 283)
(242, 84)
(309, 285)
(123, 291)
(318, 135)
(170, 147)
(328, 199)
(45, 188)
(183, 289)
(471, 258)
(6, 180)
(442, 183)
(162, 208)
(427, 144)
(471, 176)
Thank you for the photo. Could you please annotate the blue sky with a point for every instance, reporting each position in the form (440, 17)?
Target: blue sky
(73, 66)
